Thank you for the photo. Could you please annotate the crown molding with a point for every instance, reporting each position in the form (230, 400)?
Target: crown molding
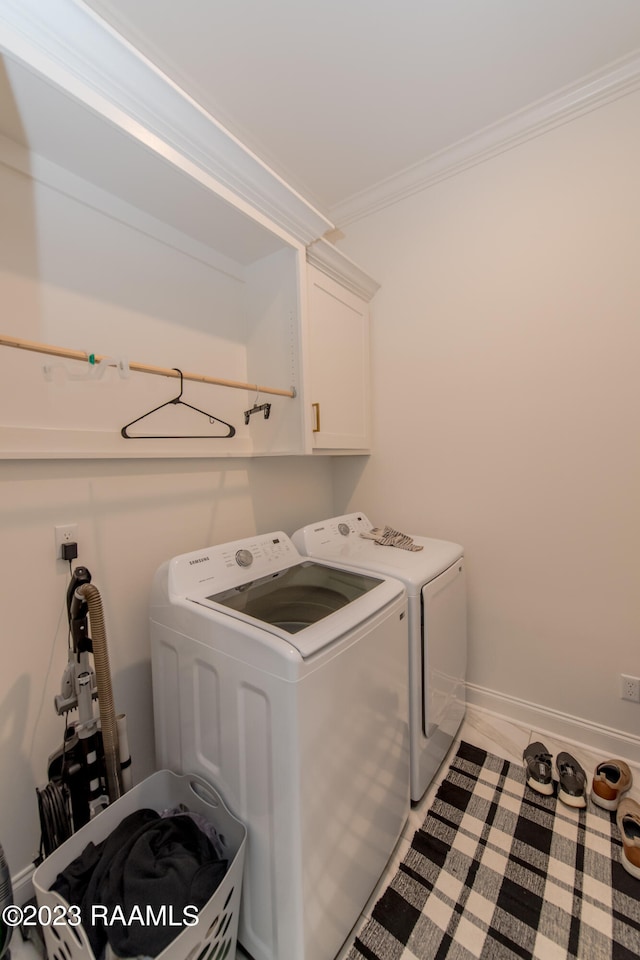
(70, 47)
(596, 90)
(333, 263)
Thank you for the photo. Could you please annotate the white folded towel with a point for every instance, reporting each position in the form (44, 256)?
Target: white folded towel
(388, 537)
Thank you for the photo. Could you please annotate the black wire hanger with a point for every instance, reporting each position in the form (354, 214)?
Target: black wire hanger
(185, 436)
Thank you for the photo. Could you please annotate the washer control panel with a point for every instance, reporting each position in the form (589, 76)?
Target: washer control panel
(231, 564)
(337, 531)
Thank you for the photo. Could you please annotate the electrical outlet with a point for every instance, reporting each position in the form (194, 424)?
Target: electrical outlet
(630, 688)
(68, 533)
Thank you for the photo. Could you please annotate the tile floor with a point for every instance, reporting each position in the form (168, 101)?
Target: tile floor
(488, 731)
(502, 737)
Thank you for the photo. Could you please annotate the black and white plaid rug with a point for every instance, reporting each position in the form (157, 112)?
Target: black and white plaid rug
(499, 872)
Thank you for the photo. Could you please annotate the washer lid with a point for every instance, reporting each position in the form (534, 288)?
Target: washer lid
(263, 582)
(338, 539)
(297, 597)
(309, 604)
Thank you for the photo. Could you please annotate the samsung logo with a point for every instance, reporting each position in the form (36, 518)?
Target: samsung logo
(199, 560)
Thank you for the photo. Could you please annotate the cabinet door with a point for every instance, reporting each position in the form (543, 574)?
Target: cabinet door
(338, 364)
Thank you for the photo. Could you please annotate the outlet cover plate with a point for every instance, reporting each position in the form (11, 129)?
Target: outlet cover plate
(65, 533)
(630, 688)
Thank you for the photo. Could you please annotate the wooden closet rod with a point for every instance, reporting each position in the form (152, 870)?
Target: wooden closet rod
(67, 354)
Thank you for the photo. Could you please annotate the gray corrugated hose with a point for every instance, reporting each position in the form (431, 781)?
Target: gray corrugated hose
(108, 724)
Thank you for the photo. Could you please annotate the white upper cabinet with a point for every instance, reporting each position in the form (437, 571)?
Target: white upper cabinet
(135, 227)
(338, 391)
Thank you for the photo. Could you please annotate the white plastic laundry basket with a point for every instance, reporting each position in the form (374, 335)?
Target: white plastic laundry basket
(214, 936)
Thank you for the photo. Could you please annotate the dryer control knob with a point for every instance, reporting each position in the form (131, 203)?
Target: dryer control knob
(343, 528)
(244, 558)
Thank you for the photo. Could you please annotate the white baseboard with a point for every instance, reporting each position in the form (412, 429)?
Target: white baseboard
(594, 736)
(22, 884)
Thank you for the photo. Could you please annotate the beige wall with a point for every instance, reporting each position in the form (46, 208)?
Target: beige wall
(131, 516)
(506, 372)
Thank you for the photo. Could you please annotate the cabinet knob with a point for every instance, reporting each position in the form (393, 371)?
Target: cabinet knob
(316, 417)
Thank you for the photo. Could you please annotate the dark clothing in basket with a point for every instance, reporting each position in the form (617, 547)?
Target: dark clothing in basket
(147, 861)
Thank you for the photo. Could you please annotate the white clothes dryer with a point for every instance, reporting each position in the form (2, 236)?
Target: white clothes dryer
(283, 682)
(437, 624)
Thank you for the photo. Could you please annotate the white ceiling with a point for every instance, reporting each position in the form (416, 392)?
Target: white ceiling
(338, 96)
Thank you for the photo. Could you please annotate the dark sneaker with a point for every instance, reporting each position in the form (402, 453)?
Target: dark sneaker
(573, 781)
(537, 761)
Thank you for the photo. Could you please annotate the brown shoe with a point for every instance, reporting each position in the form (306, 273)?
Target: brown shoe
(628, 820)
(611, 780)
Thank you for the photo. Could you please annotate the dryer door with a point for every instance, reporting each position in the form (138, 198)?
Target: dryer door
(444, 649)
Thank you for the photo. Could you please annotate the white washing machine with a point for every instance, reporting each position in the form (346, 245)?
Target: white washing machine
(437, 623)
(283, 681)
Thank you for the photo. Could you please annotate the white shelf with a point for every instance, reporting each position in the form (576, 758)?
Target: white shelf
(33, 443)
(85, 117)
